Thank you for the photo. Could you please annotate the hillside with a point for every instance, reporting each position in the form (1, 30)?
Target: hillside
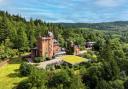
(117, 25)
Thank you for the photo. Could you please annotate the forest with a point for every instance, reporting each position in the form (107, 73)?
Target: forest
(109, 71)
(117, 25)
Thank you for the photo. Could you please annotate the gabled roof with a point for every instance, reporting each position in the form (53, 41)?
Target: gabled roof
(34, 48)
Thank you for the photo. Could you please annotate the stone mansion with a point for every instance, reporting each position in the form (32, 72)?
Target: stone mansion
(49, 47)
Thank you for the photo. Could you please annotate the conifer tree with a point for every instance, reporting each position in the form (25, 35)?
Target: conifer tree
(22, 40)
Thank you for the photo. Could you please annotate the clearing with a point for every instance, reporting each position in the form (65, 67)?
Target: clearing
(9, 76)
(73, 59)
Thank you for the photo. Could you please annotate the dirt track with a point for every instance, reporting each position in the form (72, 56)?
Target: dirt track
(45, 63)
(4, 62)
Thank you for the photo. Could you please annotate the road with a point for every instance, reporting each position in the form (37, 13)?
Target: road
(50, 62)
(57, 60)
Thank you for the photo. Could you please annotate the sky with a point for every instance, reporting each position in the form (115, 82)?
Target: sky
(68, 11)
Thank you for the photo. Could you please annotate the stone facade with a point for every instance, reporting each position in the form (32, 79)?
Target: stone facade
(76, 50)
(46, 46)
(89, 44)
(49, 47)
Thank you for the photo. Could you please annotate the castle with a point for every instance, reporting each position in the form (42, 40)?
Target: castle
(49, 47)
(46, 46)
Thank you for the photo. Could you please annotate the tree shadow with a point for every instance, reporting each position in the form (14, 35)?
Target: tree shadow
(15, 86)
(16, 70)
(14, 75)
(16, 60)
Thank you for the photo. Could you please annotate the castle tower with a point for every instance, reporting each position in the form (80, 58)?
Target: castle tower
(45, 45)
(40, 44)
(50, 44)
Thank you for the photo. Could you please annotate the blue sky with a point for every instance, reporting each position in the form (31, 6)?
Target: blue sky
(69, 10)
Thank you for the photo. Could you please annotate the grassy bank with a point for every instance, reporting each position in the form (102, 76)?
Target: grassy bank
(9, 76)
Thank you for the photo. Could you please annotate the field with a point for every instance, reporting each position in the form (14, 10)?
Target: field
(73, 59)
(9, 76)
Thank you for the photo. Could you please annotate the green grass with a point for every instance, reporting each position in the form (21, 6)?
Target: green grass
(73, 59)
(9, 76)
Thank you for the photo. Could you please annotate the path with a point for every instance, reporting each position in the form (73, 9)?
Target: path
(57, 60)
(83, 51)
(50, 62)
(4, 62)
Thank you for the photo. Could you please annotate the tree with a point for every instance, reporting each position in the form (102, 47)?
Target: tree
(76, 83)
(110, 70)
(92, 76)
(103, 85)
(3, 29)
(110, 67)
(31, 33)
(126, 84)
(117, 84)
(38, 79)
(8, 43)
(6, 52)
(25, 69)
(32, 38)
(24, 85)
(124, 67)
(22, 40)
(60, 79)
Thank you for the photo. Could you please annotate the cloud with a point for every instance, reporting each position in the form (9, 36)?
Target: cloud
(1, 0)
(5, 2)
(68, 10)
(109, 3)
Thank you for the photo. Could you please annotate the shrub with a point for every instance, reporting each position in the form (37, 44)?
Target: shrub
(25, 69)
(39, 59)
(116, 84)
(47, 58)
(24, 85)
(36, 80)
(60, 78)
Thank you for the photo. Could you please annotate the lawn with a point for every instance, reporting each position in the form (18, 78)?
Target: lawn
(9, 76)
(73, 59)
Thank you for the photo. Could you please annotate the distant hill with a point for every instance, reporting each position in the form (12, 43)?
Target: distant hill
(117, 25)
